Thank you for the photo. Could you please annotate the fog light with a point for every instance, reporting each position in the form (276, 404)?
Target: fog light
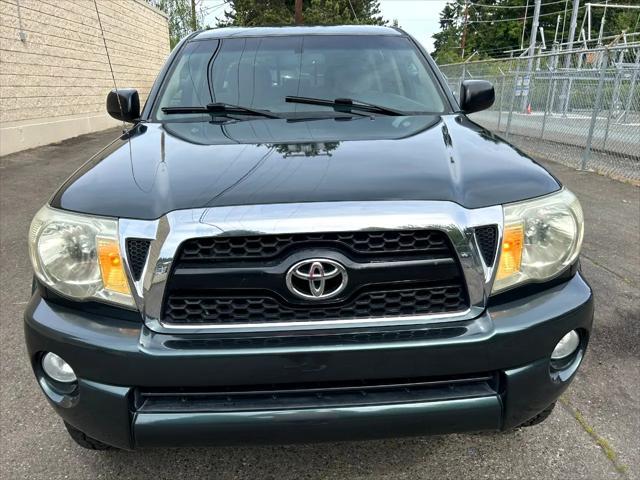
(566, 346)
(56, 368)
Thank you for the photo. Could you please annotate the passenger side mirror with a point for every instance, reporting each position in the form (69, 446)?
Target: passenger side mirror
(476, 95)
(124, 104)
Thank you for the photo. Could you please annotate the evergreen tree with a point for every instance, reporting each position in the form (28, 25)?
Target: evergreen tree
(315, 12)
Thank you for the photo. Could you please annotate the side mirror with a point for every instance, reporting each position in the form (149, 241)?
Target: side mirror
(476, 95)
(124, 104)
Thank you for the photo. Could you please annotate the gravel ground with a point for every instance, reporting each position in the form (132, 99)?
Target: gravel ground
(593, 434)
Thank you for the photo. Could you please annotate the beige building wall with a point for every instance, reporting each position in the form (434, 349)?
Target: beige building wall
(54, 71)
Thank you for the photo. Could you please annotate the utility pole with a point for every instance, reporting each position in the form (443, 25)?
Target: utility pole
(298, 12)
(567, 56)
(194, 23)
(572, 31)
(464, 28)
(604, 14)
(524, 25)
(531, 51)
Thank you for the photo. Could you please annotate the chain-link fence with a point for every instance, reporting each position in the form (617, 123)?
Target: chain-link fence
(580, 108)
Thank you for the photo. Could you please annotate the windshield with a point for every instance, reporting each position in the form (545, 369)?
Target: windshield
(260, 72)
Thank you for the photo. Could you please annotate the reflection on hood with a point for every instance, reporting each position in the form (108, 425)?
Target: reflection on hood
(158, 168)
(305, 149)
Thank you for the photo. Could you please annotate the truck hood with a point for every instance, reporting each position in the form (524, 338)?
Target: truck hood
(156, 168)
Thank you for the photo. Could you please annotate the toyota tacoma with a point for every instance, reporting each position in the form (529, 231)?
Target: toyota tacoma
(303, 237)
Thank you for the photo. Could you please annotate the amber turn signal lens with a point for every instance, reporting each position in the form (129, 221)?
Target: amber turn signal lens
(113, 276)
(511, 256)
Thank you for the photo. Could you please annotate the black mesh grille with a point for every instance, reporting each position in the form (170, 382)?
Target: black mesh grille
(217, 309)
(241, 280)
(487, 238)
(262, 247)
(137, 250)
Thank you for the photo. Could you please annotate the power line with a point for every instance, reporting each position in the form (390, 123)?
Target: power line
(512, 6)
(501, 49)
(516, 18)
(213, 7)
(509, 50)
(491, 50)
(511, 47)
(206, 11)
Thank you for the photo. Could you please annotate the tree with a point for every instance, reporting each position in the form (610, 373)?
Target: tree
(315, 12)
(185, 16)
(447, 41)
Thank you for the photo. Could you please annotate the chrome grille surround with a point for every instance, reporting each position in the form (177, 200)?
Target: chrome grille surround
(168, 232)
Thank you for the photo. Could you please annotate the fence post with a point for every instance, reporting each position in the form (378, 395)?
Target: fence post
(546, 105)
(551, 89)
(614, 97)
(596, 108)
(513, 100)
(563, 105)
(632, 88)
(501, 97)
(550, 79)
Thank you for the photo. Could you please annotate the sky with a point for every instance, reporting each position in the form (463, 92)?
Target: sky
(417, 17)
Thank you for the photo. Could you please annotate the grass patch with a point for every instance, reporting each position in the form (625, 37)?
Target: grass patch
(604, 445)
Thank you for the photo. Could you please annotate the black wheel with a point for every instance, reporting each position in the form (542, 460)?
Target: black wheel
(539, 418)
(86, 441)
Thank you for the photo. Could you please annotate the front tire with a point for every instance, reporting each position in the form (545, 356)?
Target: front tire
(539, 418)
(84, 440)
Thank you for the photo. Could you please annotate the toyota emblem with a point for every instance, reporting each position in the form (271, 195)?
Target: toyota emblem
(317, 279)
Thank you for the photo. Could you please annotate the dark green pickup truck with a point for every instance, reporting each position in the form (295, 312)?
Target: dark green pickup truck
(302, 237)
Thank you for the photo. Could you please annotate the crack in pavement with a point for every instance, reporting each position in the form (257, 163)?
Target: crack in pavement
(607, 269)
(603, 443)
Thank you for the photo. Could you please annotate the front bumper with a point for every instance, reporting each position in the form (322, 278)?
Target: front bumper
(117, 359)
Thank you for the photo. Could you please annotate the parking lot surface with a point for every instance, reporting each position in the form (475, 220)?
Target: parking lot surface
(594, 433)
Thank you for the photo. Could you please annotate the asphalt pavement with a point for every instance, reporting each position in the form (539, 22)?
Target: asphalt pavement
(594, 433)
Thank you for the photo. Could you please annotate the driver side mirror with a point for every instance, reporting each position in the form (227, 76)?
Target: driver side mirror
(124, 104)
(476, 95)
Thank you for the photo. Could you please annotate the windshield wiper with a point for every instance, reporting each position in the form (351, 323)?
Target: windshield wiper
(221, 110)
(345, 105)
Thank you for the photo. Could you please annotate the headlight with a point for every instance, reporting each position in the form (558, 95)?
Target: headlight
(541, 238)
(79, 256)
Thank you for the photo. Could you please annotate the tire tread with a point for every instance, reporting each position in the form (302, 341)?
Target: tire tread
(84, 440)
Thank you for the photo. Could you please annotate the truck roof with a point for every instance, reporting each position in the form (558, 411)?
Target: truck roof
(228, 32)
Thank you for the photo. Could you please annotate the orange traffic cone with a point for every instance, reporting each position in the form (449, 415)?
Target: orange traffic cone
(529, 109)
